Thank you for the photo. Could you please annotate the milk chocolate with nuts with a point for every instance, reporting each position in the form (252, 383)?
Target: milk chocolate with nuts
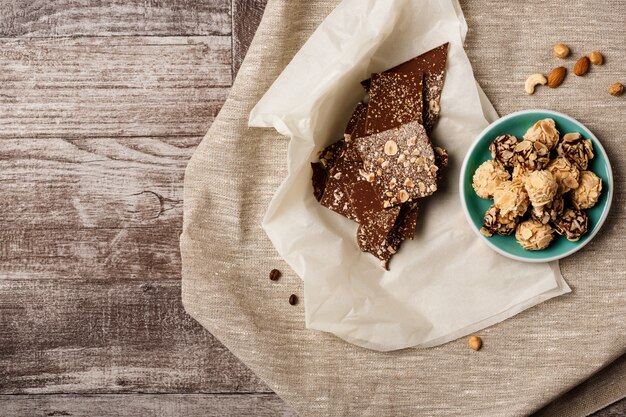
(320, 176)
(331, 153)
(433, 65)
(356, 131)
(395, 99)
(503, 149)
(573, 224)
(576, 149)
(342, 177)
(401, 164)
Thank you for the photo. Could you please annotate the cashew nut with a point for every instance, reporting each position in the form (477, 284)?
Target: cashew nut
(533, 81)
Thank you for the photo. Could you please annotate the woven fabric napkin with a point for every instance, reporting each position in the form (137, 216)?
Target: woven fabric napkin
(526, 361)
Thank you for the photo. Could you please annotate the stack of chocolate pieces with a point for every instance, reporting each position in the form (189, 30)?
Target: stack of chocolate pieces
(385, 163)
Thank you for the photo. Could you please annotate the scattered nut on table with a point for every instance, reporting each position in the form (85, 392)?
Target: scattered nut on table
(596, 58)
(475, 342)
(556, 77)
(533, 81)
(561, 50)
(582, 66)
(616, 89)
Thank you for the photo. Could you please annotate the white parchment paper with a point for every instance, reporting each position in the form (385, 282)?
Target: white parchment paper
(444, 284)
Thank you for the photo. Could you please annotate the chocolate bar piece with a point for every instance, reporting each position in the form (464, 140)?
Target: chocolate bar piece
(342, 177)
(376, 222)
(359, 112)
(401, 164)
(351, 153)
(385, 251)
(395, 99)
(331, 153)
(320, 176)
(407, 221)
(433, 65)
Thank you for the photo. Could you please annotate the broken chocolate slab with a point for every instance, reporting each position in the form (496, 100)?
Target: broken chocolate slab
(401, 164)
(351, 153)
(359, 112)
(375, 220)
(319, 179)
(385, 251)
(342, 177)
(441, 160)
(331, 153)
(433, 65)
(395, 99)
(407, 221)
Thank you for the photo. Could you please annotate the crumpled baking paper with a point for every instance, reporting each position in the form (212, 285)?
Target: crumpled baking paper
(444, 284)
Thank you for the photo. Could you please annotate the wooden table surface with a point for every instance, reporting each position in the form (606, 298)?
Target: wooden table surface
(101, 106)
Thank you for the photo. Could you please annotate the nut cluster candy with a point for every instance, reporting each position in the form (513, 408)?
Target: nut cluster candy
(487, 177)
(576, 149)
(386, 163)
(544, 187)
(503, 149)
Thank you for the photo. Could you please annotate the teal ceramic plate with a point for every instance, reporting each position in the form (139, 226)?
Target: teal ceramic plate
(475, 207)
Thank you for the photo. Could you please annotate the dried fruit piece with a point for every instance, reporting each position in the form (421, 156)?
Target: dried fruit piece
(573, 224)
(561, 50)
(556, 77)
(533, 81)
(503, 149)
(596, 58)
(616, 89)
(582, 66)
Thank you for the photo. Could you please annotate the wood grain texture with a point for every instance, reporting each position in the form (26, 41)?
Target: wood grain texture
(259, 405)
(118, 17)
(112, 86)
(617, 409)
(93, 183)
(70, 336)
(247, 15)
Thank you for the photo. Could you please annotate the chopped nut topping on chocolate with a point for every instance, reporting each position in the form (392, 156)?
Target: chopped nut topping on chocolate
(487, 177)
(511, 198)
(573, 224)
(588, 192)
(503, 149)
(576, 149)
(541, 187)
(544, 131)
(534, 235)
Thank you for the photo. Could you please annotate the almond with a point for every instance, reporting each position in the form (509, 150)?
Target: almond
(556, 77)
(582, 66)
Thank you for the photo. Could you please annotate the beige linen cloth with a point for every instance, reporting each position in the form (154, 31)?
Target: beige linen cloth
(526, 361)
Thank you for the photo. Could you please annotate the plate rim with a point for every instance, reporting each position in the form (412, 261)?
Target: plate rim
(463, 178)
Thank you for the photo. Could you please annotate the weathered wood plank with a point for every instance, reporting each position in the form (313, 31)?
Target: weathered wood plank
(66, 336)
(617, 409)
(247, 15)
(117, 17)
(112, 86)
(133, 405)
(93, 183)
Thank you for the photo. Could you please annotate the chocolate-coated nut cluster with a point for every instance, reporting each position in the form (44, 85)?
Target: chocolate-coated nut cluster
(496, 223)
(539, 185)
(573, 224)
(576, 149)
(503, 149)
